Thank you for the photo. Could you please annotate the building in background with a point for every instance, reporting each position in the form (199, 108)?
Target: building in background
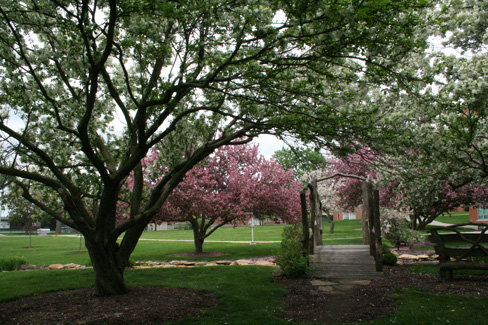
(349, 215)
(4, 224)
(479, 214)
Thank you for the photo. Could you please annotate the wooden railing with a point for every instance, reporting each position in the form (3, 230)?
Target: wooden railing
(371, 216)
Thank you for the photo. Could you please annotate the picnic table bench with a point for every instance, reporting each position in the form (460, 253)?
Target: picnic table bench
(459, 249)
(43, 231)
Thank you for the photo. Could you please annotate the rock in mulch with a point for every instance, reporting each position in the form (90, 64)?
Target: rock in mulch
(264, 261)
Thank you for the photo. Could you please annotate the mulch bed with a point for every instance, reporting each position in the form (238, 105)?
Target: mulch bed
(142, 305)
(304, 303)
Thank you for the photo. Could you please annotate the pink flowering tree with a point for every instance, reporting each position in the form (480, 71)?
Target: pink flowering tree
(230, 187)
(347, 190)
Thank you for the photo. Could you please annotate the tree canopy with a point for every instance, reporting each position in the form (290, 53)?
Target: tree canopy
(440, 124)
(88, 88)
(301, 160)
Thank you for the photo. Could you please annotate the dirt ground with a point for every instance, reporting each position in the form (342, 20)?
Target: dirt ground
(304, 303)
(364, 303)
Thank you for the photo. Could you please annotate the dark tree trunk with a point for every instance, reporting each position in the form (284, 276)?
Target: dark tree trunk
(109, 269)
(413, 219)
(199, 245)
(198, 236)
(419, 223)
(422, 224)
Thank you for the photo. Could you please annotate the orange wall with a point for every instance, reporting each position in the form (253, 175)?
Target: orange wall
(473, 214)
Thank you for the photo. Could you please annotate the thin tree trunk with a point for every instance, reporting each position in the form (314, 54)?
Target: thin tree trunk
(58, 227)
(413, 219)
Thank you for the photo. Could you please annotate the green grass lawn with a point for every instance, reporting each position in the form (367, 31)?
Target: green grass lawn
(424, 308)
(162, 245)
(243, 233)
(343, 230)
(454, 218)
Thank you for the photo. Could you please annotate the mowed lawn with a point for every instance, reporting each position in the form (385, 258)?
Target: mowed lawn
(233, 243)
(454, 217)
(343, 230)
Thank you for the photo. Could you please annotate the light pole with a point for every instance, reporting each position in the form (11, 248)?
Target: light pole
(252, 231)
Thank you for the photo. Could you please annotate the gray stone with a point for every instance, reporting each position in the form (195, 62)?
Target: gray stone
(316, 283)
(345, 287)
(326, 288)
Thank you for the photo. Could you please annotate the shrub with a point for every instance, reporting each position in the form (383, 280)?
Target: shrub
(11, 264)
(395, 227)
(389, 259)
(292, 259)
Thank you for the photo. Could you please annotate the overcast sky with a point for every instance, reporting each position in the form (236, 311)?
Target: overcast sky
(268, 144)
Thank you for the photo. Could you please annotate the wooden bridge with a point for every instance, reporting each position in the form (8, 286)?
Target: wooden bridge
(349, 262)
(344, 262)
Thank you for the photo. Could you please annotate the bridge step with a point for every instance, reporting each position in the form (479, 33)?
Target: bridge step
(344, 262)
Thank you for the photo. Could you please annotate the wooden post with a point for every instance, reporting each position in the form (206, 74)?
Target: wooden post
(312, 221)
(305, 224)
(377, 231)
(316, 212)
(366, 212)
(372, 234)
(369, 201)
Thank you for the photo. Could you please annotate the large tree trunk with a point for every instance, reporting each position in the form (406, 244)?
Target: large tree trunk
(108, 267)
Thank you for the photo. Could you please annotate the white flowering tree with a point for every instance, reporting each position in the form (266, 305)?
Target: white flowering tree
(87, 88)
(441, 131)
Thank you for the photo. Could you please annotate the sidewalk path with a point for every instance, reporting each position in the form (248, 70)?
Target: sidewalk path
(442, 224)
